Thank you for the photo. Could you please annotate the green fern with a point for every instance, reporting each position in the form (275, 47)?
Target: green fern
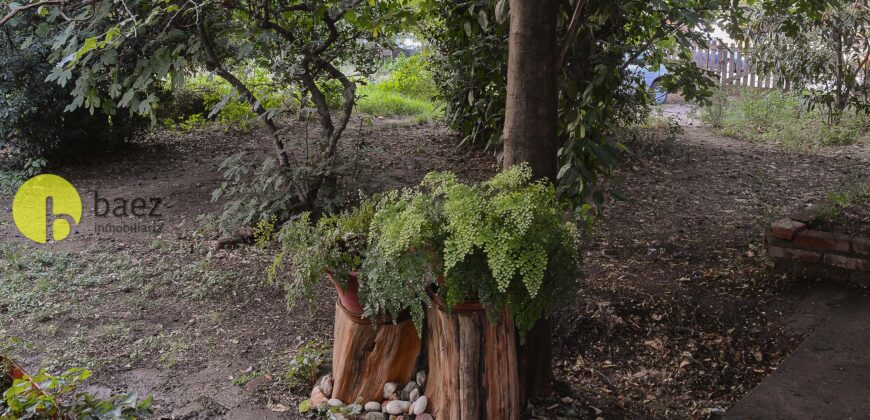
(335, 244)
(507, 242)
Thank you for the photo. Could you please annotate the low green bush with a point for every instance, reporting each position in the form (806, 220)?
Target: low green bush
(35, 125)
(304, 367)
(207, 97)
(411, 76)
(782, 118)
(55, 396)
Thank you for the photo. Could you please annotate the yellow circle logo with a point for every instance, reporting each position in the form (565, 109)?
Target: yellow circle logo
(46, 203)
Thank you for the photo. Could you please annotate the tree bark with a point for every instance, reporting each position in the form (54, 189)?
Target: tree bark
(472, 365)
(530, 135)
(532, 99)
(364, 358)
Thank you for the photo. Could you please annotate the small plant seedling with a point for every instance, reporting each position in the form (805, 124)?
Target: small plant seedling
(306, 363)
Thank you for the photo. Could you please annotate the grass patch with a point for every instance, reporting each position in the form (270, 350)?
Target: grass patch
(46, 292)
(837, 201)
(781, 118)
(381, 101)
(41, 284)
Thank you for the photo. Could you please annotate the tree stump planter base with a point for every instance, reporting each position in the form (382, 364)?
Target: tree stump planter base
(472, 364)
(365, 357)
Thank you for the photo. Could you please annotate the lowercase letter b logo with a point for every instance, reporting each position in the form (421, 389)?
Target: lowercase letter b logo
(46, 203)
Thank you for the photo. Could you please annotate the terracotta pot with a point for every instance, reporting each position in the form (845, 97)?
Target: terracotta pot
(15, 372)
(349, 297)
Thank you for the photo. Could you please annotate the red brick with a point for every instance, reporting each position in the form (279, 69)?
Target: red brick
(861, 246)
(850, 263)
(786, 228)
(795, 254)
(824, 241)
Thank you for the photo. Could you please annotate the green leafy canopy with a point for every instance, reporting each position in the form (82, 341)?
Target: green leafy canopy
(597, 91)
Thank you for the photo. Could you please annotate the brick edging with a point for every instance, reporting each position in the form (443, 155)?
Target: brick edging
(793, 246)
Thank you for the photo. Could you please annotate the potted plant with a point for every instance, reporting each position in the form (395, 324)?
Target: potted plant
(506, 243)
(9, 372)
(47, 396)
(334, 248)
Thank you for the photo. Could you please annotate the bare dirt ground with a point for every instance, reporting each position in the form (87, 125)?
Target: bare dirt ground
(677, 316)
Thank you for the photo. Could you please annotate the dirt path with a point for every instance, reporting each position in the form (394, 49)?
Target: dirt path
(677, 316)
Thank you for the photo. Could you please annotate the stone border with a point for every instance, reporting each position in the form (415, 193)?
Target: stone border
(794, 247)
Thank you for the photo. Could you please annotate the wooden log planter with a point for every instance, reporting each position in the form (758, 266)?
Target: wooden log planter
(472, 364)
(365, 357)
(471, 361)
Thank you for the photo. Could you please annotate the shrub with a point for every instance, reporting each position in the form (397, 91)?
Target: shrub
(271, 192)
(33, 118)
(714, 114)
(411, 76)
(507, 242)
(52, 397)
(336, 244)
(205, 97)
(781, 117)
(305, 365)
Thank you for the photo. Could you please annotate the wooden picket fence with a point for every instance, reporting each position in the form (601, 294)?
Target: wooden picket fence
(732, 66)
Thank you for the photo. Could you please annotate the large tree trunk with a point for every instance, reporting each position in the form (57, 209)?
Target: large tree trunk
(531, 109)
(530, 135)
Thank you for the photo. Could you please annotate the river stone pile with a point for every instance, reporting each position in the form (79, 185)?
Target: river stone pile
(407, 403)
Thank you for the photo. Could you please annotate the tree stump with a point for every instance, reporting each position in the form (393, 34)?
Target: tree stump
(472, 365)
(365, 357)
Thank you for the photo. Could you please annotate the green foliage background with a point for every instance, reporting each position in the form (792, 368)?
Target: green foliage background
(597, 92)
(35, 122)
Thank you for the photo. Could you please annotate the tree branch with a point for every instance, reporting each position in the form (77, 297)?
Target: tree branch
(349, 96)
(572, 32)
(214, 64)
(333, 30)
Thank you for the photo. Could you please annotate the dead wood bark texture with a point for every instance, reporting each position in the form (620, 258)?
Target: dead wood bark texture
(365, 357)
(472, 366)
